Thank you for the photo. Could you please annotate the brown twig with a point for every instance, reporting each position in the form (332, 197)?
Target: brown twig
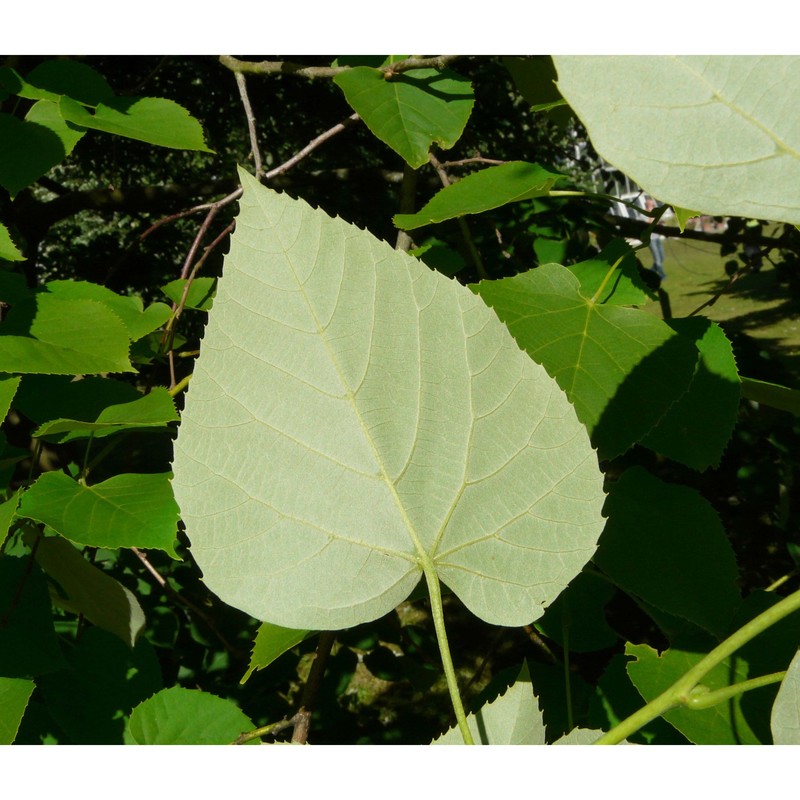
(251, 123)
(474, 160)
(293, 68)
(462, 223)
(176, 595)
(302, 719)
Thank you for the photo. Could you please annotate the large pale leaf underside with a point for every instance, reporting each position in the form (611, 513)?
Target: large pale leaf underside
(354, 415)
(717, 134)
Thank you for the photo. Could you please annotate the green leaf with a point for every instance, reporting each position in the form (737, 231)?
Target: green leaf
(402, 424)
(709, 133)
(621, 367)
(138, 320)
(148, 119)
(723, 723)
(46, 334)
(8, 250)
(186, 716)
(439, 256)
(699, 425)
(47, 397)
(154, 410)
(123, 511)
(13, 287)
(28, 643)
(14, 696)
(625, 287)
(683, 215)
(785, 721)
(46, 113)
(535, 79)
(272, 641)
(772, 394)
(513, 718)
(8, 388)
(481, 191)
(412, 110)
(87, 590)
(51, 79)
(103, 681)
(664, 543)
(201, 292)
(8, 511)
(29, 151)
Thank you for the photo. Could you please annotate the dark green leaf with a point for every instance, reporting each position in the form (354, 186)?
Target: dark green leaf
(489, 188)
(29, 151)
(87, 590)
(200, 296)
(696, 429)
(28, 644)
(412, 110)
(154, 410)
(664, 543)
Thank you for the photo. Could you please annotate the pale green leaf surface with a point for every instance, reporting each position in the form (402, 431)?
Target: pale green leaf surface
(513, 718)
(154, 120)
(186, 716)
(46, 334)
(412, 110)
(129, 510)
(718, 134)
(481, 191)
(272, 641)
(621, 367)
(354, 414)
(665, 544)
(785, 722)
(14, 696)
(8, 250)
(153, 410)
(697, 428)
(87, 590)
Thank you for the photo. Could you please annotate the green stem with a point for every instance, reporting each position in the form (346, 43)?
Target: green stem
(180, 386)
(680, 690)
(698, 700)
(434, 589)
(612, 269)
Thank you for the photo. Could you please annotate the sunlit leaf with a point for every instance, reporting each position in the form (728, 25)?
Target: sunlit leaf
(128, 510)
(272, 641)
(8, 250)
(412, 110)
(381, 417)
(14, 696)
(621, 367)
(186, 716)
(200, 296)
(710, 133)
(149, 119)
(481, 191)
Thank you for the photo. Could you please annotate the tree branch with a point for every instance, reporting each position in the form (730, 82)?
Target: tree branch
(293, 68)
(251, 122)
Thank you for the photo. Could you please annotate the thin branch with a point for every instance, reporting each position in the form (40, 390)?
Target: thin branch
(311, 146)
(251, 122)
(302, 719)
(176, 595)
(293, 68)
(474, 160)
(462, 223)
